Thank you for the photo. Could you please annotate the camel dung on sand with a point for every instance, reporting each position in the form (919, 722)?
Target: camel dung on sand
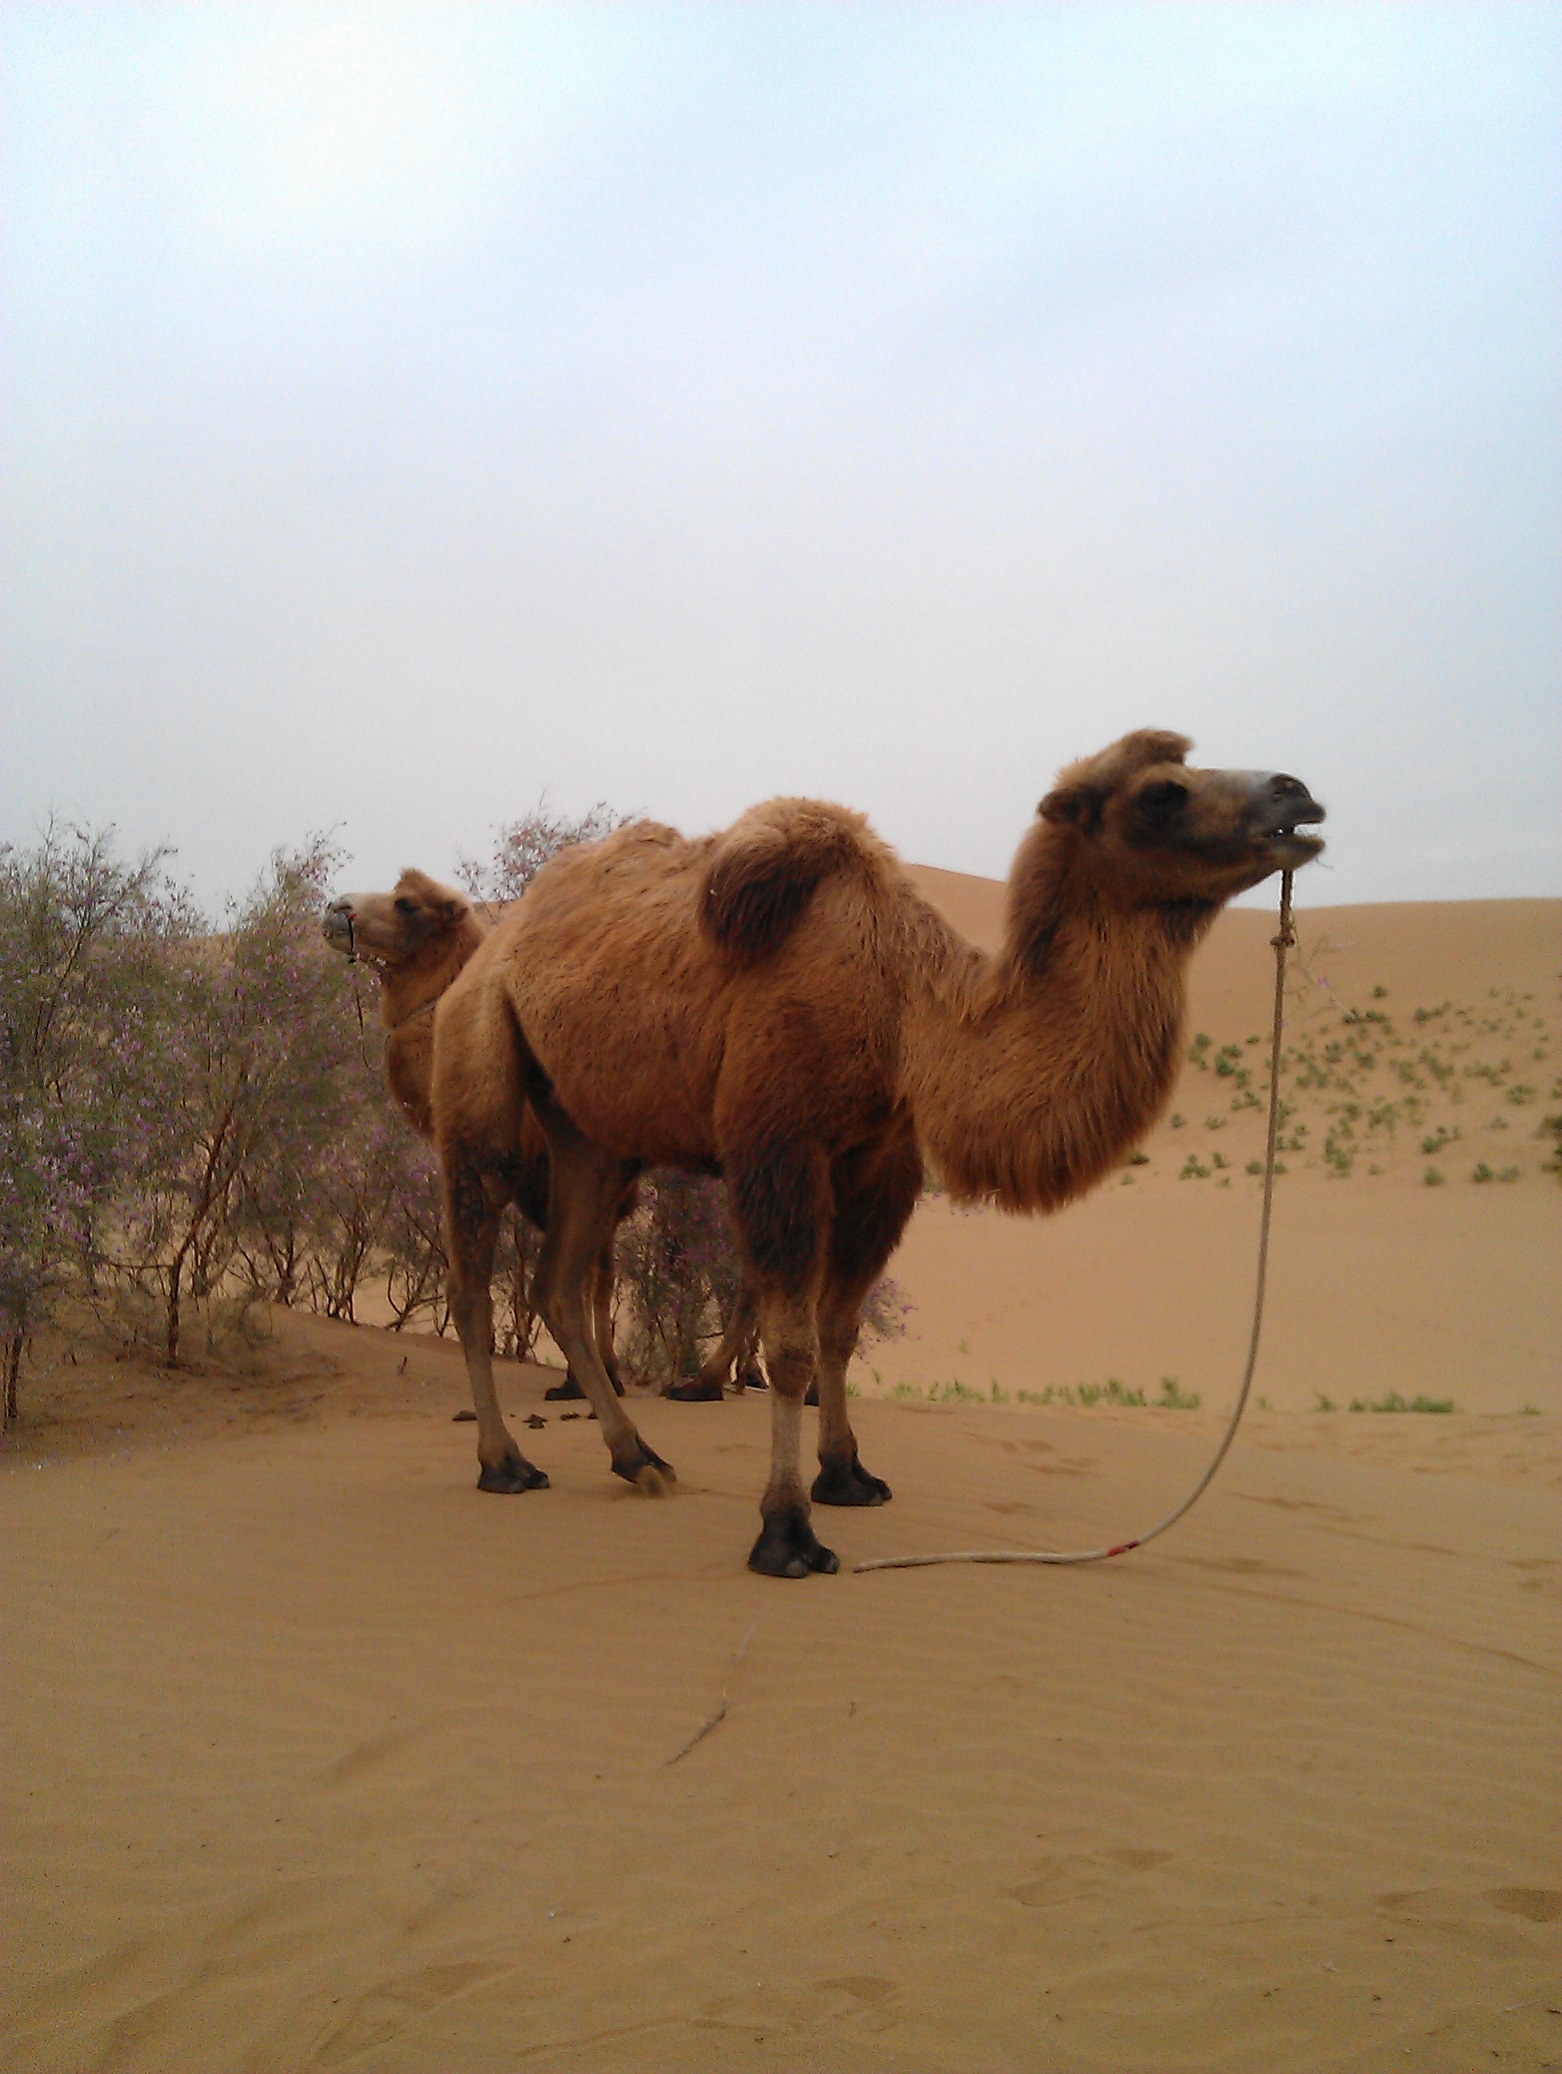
(417, 938)
(778, 1004)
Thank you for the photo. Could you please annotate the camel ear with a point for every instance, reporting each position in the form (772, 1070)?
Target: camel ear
(1079, 805)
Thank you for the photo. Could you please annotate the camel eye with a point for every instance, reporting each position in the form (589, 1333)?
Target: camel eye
(406, 908)
(1163, 800)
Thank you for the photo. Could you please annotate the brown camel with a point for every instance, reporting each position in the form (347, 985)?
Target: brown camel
(777, 1003)
(418, 937)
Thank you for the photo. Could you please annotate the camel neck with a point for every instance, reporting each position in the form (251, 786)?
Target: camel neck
(1031, 1074)
(410, 990)
(397, 1018)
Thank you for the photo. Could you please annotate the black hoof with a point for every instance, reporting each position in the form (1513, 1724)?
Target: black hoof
(697, 1393)
(513, 1474)
(850, 1484)
(564, 1393)
(788, 1547)
(646, 1470)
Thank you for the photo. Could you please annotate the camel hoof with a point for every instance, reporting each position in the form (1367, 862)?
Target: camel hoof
(512, 1475)
(567, 1392)
(648, 1473)
(852, 1485)
(788, 1547)
(697, 1393)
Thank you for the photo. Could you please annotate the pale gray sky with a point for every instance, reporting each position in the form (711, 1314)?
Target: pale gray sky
(408, 408)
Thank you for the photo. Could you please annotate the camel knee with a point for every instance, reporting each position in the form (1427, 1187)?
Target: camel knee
(792, 1366)
(838, 1342)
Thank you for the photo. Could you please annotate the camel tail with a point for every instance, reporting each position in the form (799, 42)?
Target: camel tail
(764, 870)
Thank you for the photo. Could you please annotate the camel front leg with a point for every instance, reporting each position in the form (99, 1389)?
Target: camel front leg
(787, 1545)
(842, 1480)
(583, 1192)
(471, 1227)
(875, 1194)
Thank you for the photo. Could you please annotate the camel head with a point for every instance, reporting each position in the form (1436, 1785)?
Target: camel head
(1146, 825)
(396, 929)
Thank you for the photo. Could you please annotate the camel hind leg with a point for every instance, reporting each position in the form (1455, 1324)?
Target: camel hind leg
(584, 1189)
(602, 1316)
(472, 1225)
(736, 1347)
(569, 1391)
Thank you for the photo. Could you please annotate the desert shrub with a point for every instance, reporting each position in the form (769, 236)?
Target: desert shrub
(412, 1255)
(521, 848)
(250, 1065)
(84, 1003)
(678, 1261)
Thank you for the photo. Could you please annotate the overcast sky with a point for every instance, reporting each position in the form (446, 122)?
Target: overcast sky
(411, 408)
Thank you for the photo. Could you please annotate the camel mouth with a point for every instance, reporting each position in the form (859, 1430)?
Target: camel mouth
(336, 926)
(1290, 852)
(1287, 807)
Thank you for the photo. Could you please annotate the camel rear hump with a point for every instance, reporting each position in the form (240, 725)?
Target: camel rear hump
(763, 870)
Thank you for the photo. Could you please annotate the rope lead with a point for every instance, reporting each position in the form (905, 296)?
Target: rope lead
(1281, 942)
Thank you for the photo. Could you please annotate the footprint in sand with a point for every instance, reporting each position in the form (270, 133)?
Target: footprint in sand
(866, 1989)
(1076, 1879)
(1239, 1566)
(365, 1757)
(1535, 1904)
(391, 2007)
(1301, 1505)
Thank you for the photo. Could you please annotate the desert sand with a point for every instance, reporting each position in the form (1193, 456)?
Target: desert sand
(315, 1757)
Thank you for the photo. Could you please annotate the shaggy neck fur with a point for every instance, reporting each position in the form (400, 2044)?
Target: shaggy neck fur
(1032, 1074)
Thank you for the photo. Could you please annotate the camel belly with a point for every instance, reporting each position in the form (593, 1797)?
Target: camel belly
(639, 1107)
(634, 1067)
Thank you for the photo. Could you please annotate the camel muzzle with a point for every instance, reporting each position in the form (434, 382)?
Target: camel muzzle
(336, 926)
(1283, 806)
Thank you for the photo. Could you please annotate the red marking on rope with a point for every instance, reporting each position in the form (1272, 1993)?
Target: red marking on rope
(1122, 1548)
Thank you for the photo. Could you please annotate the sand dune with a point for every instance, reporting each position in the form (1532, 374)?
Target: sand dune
(316, 1758)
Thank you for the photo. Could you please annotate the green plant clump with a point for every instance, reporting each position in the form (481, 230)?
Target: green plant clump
(1172, 1398)
(1394, 1402)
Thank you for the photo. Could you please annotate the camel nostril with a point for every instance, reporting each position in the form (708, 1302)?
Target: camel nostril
(1282, 786)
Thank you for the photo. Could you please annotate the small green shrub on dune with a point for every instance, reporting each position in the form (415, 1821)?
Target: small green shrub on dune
(1393, 1402)
(1173, 1398)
